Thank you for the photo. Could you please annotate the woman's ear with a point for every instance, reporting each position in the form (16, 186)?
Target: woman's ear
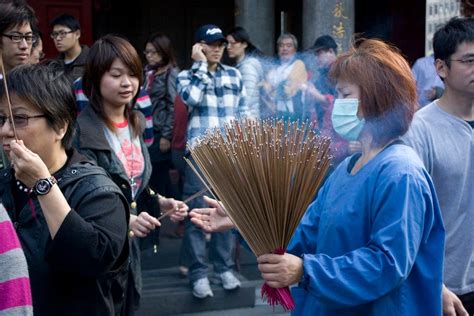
(61, 132)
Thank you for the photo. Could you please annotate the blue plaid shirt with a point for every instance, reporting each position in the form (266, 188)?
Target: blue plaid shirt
(212, 98)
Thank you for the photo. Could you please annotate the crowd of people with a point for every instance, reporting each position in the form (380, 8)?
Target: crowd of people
(93, 142)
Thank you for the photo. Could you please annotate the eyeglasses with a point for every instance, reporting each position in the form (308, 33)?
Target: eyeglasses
(468, 61)
(20, 120)
(17, 38)
(151, 52)
(60, 34)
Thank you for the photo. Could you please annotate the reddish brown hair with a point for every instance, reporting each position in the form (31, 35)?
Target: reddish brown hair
(387, 88)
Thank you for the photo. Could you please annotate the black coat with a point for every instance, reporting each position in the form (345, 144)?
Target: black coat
(79, 272)
(90, 140)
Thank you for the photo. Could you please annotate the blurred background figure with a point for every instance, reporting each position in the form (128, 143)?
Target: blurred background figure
(66, 32)
(37, 54)
(320, 90)
(429, 86)
(245, 54)
(161, 72)
(284, 83)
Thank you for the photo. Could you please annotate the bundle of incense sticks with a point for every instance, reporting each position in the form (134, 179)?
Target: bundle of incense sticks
(265, 173)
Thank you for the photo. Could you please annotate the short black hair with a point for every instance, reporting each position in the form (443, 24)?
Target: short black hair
(447, 39)
(66, 20)
(47, 88)
(15, 13)
(324, 42)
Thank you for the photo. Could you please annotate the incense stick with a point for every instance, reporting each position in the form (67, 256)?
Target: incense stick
(5, 86)
(189, 199)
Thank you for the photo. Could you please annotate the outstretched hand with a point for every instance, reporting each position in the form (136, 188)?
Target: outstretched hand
(212, 219)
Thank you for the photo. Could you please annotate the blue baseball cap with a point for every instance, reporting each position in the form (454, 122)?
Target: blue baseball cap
(209, 33)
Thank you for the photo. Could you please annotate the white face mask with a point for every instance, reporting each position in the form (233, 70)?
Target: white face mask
(344, 119)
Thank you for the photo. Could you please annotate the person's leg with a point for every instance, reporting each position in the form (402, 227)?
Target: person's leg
(220, 251)
(194, 242)
(221, 256)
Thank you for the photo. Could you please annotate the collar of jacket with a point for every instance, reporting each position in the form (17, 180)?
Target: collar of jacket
(91, 130)
(80, 59)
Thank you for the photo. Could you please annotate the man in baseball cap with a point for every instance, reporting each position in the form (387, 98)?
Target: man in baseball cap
(214, 94)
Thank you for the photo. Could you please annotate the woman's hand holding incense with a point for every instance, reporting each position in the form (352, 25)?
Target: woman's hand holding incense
(280, 270)
(213, 219)
(181, 209)
(28, 165)
(143, 224)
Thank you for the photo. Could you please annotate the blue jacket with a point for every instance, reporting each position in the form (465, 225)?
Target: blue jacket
(372, 243)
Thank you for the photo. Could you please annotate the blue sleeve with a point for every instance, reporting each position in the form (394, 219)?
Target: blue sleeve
(399, 224)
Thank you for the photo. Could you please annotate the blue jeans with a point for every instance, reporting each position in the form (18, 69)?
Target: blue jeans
(194, 242)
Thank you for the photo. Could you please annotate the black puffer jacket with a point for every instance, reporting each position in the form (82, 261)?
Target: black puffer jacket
(81, 271)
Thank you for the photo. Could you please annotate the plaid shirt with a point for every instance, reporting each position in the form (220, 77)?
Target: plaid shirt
(143, 105)
(212, 98)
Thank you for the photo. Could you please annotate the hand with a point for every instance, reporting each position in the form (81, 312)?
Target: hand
(315, 93)
(280, 270)
(165, 145)
(213, 219)
(142, 224)
(452, 305)
(430, 93)
(28, 165)
(197, 52)
(355, 147)
(181, 209)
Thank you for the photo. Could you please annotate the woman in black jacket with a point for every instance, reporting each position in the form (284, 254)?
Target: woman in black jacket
(70, 217)
(160, 83)
(109, 132)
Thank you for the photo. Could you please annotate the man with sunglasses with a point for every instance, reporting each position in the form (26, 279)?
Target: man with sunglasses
(214, 94)
(66, 32)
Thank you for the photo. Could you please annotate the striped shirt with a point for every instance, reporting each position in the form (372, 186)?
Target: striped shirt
(212, 98)
(15, 292)
(143, 105)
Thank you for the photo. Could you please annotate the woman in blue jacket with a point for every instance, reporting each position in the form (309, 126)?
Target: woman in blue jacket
(372, 242)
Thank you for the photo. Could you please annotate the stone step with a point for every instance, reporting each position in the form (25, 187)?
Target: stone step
(166, 292)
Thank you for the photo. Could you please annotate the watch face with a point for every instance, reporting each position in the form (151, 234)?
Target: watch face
(42, 186)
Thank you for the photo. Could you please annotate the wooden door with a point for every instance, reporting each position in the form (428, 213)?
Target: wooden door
(47, 10)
